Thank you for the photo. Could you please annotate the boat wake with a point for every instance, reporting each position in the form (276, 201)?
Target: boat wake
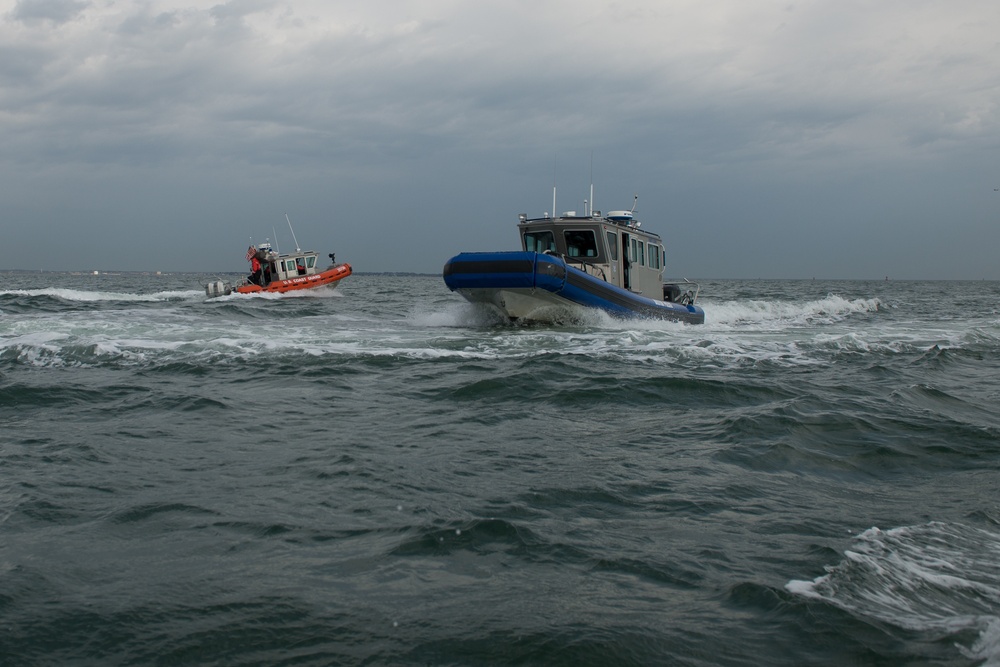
(183, 326)
(938, 579)
(460, 315)
(830, 309)
(87, 296)
(723, 315)
(322, 292)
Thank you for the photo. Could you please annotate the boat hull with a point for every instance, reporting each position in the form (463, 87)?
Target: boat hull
(534, 286)
(329, 277)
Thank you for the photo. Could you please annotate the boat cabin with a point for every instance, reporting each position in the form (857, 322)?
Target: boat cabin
(611, 247)
(288, 266)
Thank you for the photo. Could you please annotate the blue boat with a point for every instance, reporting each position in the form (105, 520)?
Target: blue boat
(571, 263)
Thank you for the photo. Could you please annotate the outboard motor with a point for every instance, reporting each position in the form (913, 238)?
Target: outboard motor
(218, 288)
(672, 293)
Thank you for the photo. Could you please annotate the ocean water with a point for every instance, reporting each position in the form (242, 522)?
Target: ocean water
(382, 474)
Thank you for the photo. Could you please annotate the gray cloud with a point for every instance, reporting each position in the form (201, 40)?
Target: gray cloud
(751, 130)
(32, 12)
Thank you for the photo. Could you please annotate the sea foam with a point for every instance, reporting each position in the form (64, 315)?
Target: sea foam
(936, 578)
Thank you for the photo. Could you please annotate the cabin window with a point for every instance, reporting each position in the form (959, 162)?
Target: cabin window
(310, 261)
(634, 253)
(581, 243)
(642, 253)
(654, 256)
(613, 246)
(539, 241)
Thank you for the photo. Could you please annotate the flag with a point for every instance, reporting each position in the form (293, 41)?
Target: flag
(250, 252)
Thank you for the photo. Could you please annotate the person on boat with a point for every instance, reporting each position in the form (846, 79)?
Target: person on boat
(255, 271)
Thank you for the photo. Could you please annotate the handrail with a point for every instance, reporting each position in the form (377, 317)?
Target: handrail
(584, 263)
(689, 297)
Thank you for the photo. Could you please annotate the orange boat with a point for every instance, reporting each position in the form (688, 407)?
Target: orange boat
(274, 273)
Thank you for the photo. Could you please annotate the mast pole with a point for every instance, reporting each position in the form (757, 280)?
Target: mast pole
(553, 186)
(591, 212)
(297, 248)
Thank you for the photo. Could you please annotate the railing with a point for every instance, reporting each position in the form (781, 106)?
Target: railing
(687, 298)
(587, 267)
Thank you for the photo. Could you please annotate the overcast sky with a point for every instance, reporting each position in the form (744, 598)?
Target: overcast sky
(787, 139)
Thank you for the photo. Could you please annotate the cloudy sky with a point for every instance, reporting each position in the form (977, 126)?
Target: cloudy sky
(784, 139)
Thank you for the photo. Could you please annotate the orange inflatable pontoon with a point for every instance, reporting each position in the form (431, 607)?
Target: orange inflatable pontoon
(328, 277)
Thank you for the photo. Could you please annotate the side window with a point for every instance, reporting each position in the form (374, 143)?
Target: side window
(581, 243)
(613, 246)
(635, 253)
(539, 241)
(642, 253)
(310, 261)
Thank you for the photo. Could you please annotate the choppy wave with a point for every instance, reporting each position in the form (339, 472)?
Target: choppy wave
(94, 296)
(274, 325)
(323, 292)
(743, 313)
(396, 477)
(71, 295)
(939, 579)
(831, 309)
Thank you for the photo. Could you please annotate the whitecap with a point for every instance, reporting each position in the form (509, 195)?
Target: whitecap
(832, 308)
(87, 296)
(939, 579)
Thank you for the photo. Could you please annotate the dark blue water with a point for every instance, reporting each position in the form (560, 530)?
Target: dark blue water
(382, 474)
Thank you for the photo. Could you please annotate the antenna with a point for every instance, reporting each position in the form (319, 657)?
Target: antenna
(277, 246)
(591, 212)
(634, 202)
(297, 248)
(554, 215)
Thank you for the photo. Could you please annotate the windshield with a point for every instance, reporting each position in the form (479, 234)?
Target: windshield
(539, 241)
(581, 243)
